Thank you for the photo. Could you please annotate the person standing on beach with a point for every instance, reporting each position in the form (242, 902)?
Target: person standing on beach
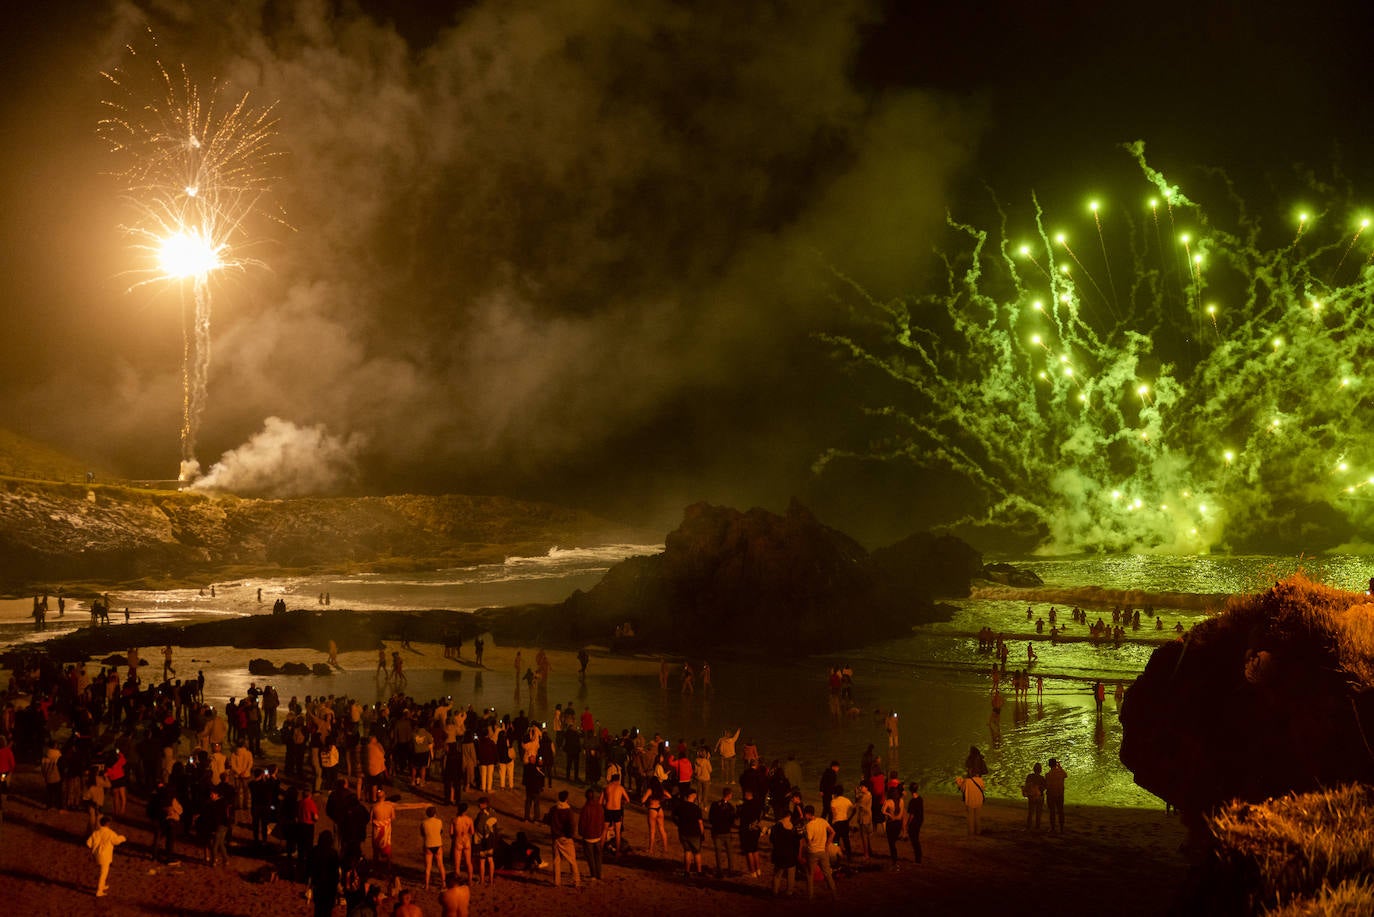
(861, 821)
(432, 839)
(102, 843)
(725, 747)
(591, 828)
(690, 831)
(722, 819)
(972, 787)
(1054, 793)
(381, 661)
(324, 875)
(893, 816)
(819, 837)
(786, 842)
(841, 811)
(614, 802)
(486, 833)
(562, 831)
(1034, 791)
(915, 819)
(461, 831)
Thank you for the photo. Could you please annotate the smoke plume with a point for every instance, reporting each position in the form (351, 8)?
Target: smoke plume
(285, 460)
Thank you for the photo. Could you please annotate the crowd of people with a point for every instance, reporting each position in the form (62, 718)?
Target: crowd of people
(257, 778)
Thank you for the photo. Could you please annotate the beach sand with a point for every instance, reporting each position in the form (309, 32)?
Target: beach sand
(1111, 860)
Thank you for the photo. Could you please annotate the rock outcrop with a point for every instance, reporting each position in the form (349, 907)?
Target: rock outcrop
(756, 579)
(925, 564)
(1276, 695)
(1009, 575)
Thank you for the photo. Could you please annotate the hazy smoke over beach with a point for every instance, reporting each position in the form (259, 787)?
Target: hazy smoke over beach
(556, 239)
(284, 460)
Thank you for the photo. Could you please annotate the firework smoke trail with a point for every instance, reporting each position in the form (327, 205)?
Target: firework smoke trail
(196, 170)
(1132, 435)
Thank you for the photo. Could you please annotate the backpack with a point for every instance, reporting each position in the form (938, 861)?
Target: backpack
(485, 831)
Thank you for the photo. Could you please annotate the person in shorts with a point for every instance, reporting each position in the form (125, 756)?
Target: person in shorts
(690, 831)
(485, 838)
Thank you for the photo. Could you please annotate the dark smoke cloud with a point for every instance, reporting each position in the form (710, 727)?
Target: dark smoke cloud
(559, 247)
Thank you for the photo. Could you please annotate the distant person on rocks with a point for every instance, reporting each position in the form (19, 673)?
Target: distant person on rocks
(1054, 794)
(333, 653)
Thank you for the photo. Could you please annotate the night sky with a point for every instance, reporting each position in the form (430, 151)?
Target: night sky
(581, 251)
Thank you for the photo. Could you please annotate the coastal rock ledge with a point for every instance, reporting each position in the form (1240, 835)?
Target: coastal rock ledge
(1274, 696)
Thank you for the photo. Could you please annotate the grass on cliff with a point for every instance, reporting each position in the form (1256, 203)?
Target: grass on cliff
(1306, 854)
(21, 457)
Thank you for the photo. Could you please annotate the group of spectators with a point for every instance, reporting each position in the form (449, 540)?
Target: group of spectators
(208, 785)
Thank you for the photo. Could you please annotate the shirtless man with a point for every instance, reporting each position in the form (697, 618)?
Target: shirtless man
(460, 830)
(614, 802)
(455, 896)
(406, 906)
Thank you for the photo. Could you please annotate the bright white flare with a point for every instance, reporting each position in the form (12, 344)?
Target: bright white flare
(188, 254)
